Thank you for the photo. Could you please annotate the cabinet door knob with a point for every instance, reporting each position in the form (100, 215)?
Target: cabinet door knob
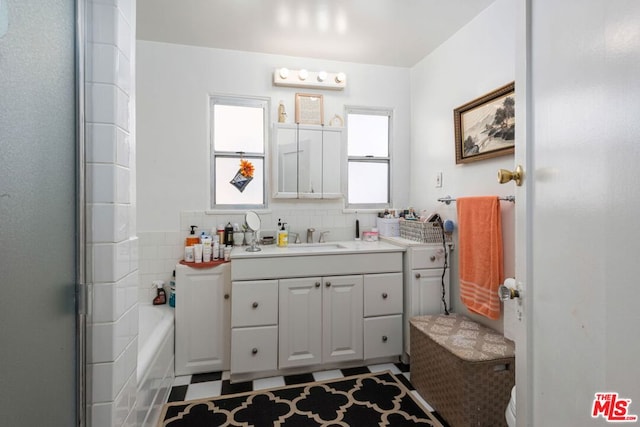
(254, 350)
(226, 296)
(384, 338)
(254, 305)
(328, 284)
(417, 275)
(384, 295)
(432, 258)
(317, 284)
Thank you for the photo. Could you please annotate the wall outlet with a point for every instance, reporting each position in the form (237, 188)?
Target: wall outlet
(439, 180)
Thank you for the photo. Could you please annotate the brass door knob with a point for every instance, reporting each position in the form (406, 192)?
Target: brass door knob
(505, 176)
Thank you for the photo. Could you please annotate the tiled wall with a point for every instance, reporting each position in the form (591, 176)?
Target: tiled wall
(160, 251)
(113, 246)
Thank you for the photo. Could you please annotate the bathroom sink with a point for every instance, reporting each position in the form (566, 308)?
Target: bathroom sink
(315, 247)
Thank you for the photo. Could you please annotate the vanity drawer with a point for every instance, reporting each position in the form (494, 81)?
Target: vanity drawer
(254, 303)
(382, 336)
(254, 349)
(382, 294)
(427, 257)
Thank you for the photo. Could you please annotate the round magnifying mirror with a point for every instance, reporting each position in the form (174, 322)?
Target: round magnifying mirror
(253, 222)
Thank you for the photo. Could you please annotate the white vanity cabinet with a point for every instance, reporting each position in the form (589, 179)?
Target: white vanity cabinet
(308, 161)
(320, 320)
(339, 308)
(254, 323)
(424, 268)
(202, 317)
(382, 315)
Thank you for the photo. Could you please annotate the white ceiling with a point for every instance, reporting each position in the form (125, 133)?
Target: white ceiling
(385, 32)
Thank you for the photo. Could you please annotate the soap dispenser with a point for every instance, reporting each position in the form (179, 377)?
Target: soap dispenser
(283, 235)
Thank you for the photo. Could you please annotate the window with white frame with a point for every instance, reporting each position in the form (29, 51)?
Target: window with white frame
(369, 159)
(239, 129)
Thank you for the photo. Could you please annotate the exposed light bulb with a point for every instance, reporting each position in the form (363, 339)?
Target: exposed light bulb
(322, 76)
(340, 77)
(284, 73)
(303, 74)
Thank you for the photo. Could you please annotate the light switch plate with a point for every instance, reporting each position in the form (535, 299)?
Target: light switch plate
(439, 180)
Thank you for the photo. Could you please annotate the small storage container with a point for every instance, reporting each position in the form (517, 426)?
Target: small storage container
(388, 227)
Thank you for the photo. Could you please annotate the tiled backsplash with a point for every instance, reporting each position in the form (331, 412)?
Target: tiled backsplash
(161, 250)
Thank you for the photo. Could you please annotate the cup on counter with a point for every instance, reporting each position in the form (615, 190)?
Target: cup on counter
(227, 253)
(238, 238)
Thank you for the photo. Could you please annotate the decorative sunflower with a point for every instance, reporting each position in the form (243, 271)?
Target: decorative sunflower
(246, 168)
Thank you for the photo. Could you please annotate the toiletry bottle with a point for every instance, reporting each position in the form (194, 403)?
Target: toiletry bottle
(192, 239)
(220, 231)
(206, 247)
(172, 290)
(216, 248)
(228, 235)
(161, 298)
(283, 235)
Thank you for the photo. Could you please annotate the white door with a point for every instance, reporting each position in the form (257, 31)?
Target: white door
(342, 311)
(300, 322)
(578, 233)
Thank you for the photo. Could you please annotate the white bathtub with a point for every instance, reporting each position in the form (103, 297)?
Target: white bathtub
(155, 361)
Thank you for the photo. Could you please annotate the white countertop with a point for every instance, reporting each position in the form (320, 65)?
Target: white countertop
(329, 248)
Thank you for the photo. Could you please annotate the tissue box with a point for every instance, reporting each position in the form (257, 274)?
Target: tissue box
(388, 227)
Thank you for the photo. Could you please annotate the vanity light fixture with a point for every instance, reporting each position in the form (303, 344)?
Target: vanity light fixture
(284, 73)
(309, 79)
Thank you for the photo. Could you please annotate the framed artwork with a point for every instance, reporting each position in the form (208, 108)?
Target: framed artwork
(309, 109)
(485, 127)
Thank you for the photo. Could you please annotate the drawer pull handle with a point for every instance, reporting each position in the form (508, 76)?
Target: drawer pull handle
(254, 350)
(417, 275)
(328, 284)
(254, 305)
(384, 338)
(432, 258)
(384, 295)
(317, 284)
(226, 296)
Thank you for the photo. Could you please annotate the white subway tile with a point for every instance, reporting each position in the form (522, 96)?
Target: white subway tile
(122, 109)
(103, 64)
(102, 415)
(125, 41)
(103, 262)
(101, 143)
(123, 185)
(103, 24)
(123, 259)
(123, 148)
(101, 105)
(100, 183)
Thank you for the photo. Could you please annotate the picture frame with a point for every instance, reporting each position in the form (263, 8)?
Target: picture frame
(309, 109)
(485, 127)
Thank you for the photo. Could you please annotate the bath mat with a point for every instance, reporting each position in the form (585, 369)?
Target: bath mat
(375, 399)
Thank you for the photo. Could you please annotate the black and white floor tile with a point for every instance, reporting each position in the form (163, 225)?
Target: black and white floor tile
(201, 386)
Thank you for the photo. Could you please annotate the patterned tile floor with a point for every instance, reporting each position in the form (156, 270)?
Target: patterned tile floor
(200, 386)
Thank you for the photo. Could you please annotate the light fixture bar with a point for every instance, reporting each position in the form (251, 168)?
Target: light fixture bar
(309, 79)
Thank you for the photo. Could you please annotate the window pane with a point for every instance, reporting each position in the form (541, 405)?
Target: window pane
(368, 182)
(227, 193)
(368, 135)
(237, 128)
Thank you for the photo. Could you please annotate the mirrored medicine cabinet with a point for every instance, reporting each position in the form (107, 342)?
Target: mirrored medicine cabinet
(309, 161)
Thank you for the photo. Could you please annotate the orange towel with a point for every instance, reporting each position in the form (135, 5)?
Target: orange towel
(480, 249)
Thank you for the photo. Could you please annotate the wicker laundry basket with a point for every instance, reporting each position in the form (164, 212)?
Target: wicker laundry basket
(463, 369)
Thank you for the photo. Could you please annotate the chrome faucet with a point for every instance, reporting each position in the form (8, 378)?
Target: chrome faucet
(297, 237)
(322, 234)
(310, 234)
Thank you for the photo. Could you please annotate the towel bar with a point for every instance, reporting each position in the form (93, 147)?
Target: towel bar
(448, 199)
